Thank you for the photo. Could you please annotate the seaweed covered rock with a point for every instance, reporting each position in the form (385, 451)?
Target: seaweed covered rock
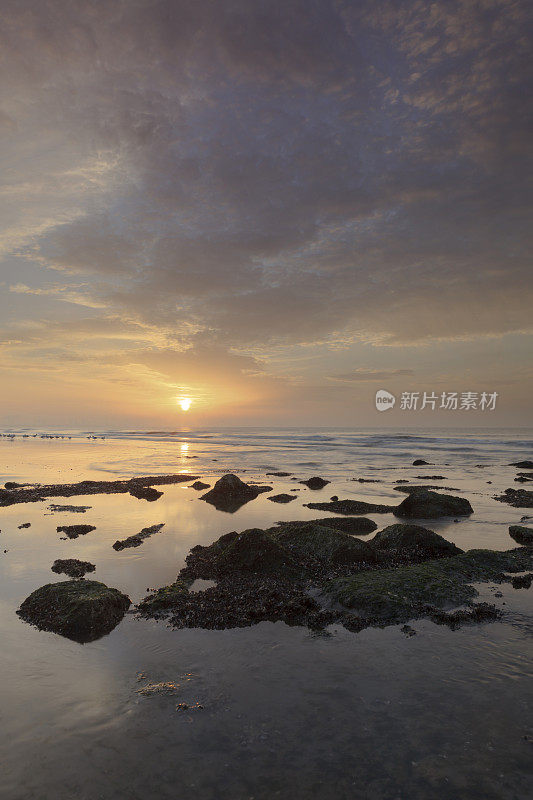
(352, 507)
(315, 483)
(145, 493)
(518, 498)
(430, 505)
(199, 485)
(412, 543)
(330, 548)
(73, 531)
(521, 534)
(72, 567)
(138, 538)
(357, 526)
(521, 464)
(389, 596)
(230, 493)
(282, 498)
(80, 610)
(255, 551)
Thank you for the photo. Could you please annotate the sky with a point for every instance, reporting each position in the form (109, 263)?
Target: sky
(272, 208)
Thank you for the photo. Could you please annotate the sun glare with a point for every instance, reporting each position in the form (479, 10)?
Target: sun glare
(185, 403)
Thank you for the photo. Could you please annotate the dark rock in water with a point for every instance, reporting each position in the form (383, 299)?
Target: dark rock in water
(315, 483)
(522, 464)
(430, 477)
(419, 462)
(309, 542)
(79, 610)
(521, 534)
(518, 498)
(13, 485)
(230, 493)
(401, 481)
(430, 505)
(36, 494)
(408, 631)
(413, 543)
(367, 480)
(523, 479)
(351, 507)
(73, 509)
(255, 551)
(138, 538)
(198, 485)
(358, 526)
(145, 493)
(522, 581)
(72, 567)
(416, 487)
(389, 596)
(280, 474)
(25, 525)
(282, 498)
(334, 497)
(73, 531)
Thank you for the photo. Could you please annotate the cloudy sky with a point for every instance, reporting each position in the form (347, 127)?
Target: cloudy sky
(271, 207)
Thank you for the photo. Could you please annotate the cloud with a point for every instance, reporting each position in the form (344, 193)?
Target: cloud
(268, 175)
(362, 374)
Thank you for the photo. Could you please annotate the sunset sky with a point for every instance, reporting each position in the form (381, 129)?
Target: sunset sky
(272, 208)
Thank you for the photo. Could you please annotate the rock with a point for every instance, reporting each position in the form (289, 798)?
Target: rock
(255, 551)
(138, 538)
(358, 526)
(36, 494)
(13, 485)
(329, 547)
(389, 596)
(72, 567)
(430, 477)
(518, 498)
(280, 474)
(73, 531)
(522, 464)
(351, 507)
(413, 543)
(282, 498)
(521, 534)
(430, 505)
(419, 462)
(73, 509)
(367, 480)
(522, 581)
(198, 485)
(401, 481)
(80, 610)
(315, 483)
(230, 493)
(416, 487)
(25, 525)
(334, 497)
(145, 493)
(167, 687)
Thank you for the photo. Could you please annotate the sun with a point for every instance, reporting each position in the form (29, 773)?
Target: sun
(185, 403)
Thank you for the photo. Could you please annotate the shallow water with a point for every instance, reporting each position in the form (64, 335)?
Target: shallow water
(285, 713)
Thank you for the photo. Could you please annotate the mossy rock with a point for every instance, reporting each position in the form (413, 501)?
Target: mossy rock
(396, 595)
(413, 543)
(255, 551)
(79, 609)
(358, 526)
(326, 545)
(424, 504)
(164, 598)
(521, 534)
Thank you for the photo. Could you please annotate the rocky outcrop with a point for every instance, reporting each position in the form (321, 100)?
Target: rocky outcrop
(145, 493)
(412, 543)
(315, 483)
(230, 493)
(35, 494)
(309, 543)
(431, 505)
(353, 507)
(522, 464)
(199, 485)
(357, 526)
(518, 498)
(80, 610)
(521, 534)
(419, 462)
(138, 538)
(73, 531)
(72, 567)
(282, 498)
